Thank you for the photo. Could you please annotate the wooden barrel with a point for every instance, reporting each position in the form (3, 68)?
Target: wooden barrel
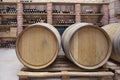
(86, 45)
(38, 45)
(114, 32)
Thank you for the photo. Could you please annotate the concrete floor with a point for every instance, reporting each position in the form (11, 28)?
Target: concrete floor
(9, 64)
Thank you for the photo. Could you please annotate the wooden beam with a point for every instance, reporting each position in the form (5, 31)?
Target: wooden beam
(58, 74)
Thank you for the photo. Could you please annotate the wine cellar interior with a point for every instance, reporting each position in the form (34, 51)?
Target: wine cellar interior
(17, 16)
(60, 15)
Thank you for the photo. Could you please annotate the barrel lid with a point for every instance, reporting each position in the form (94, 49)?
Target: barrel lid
(37, 46)
(88, 46)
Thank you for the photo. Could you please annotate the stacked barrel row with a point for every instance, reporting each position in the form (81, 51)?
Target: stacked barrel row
(86, 45)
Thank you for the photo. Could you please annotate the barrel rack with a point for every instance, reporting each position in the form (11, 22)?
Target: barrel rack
(65, 70)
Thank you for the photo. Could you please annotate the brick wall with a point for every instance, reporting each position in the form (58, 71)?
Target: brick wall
(19, 17)
(57, 0)
(114, 9)
(105, 12)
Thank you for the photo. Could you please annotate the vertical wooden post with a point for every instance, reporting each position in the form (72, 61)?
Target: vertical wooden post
(77, 13)
(49, 13)
(23, 79)
(105, 12)
(65, 78)
(19, 18)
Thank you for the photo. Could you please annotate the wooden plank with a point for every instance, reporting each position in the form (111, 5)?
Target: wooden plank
(57, 74)
(63, 14)
(8, 25)
(65, 78)
(34, 14)
(23, 78)
(50, 69)
(117, 72)
(26, 25)
(61, 25)
(55, 69)
(8, 14)
(92, 14)
(3, 3)
(100, 3)
(63, 64)
(112, 65)
(83, 3)
(30, 3)
(62, 70)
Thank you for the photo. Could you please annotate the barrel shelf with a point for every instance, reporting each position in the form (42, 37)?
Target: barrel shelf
(7, 42)
(9, 33)
(89, 3)
(63, 14)
(8, 25)
(34, 14)
(5, 35)
(8, 14)
(102, 3)
(25, 25)
(3, 3)
(62, 67)
(33, 2)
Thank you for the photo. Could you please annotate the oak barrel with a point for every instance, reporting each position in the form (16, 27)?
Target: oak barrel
(113, 30)
(38, 45)
(88, 46)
